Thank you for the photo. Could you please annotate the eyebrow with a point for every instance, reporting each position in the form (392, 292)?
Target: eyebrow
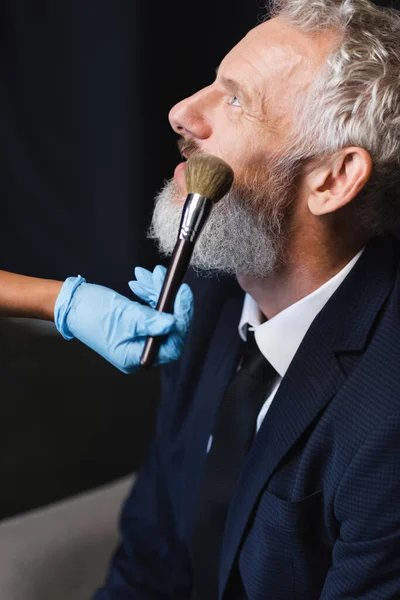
(234, 87)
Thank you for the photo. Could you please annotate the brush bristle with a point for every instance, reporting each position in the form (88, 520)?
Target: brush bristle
(208, 176)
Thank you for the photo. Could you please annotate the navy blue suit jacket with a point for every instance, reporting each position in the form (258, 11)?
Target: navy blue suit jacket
(316, 512)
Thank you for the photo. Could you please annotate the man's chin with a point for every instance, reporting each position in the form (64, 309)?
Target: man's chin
(175, 190)
(167, 213)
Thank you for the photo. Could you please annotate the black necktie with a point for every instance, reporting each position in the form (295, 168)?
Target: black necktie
(233, 434)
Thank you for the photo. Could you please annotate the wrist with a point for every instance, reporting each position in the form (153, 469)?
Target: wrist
(63, 305)
(46, 299)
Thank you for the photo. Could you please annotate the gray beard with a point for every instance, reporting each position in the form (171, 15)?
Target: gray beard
(235, 240)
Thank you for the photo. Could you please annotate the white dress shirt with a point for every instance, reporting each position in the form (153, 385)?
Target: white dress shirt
(279, 338)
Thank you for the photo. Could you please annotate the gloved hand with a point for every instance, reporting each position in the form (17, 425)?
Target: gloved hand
(115, 327)
(148, 287)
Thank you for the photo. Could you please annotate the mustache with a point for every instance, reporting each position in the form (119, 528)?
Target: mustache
(187, 147)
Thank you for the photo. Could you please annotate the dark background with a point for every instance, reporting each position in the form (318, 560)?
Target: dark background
(85, 143)
(86, 86)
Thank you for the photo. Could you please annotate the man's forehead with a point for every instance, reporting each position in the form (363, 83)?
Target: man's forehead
(275, 47)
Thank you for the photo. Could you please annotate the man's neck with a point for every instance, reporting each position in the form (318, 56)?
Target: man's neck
(294, 280)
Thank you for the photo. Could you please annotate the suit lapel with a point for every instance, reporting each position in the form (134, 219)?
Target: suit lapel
(301, 397)
(311, 381)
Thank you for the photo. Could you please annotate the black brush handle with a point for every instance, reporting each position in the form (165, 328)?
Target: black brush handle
(176, 271)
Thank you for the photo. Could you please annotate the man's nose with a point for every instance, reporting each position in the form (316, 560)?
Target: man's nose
(190, 117)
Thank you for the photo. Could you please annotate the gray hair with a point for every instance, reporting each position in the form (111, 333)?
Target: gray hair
(355, 100)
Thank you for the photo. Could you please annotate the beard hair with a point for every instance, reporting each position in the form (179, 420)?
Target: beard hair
(245, 232)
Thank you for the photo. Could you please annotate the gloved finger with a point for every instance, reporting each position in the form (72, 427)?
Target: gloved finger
(183, 307)
(158, 277)
(144, 293)
(144, 276)
(170, 350)
(148, 285)
(150, 322)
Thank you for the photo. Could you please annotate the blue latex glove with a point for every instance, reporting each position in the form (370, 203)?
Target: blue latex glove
(148, 287)
(115, 327)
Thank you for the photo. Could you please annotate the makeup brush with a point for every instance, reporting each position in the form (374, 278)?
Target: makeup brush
(207, 179)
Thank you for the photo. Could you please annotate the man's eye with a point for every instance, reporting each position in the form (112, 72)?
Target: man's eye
(234, 101)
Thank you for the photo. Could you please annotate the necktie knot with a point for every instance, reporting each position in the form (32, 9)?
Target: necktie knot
(254, 362)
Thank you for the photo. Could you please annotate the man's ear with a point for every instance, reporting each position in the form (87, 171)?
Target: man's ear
(338, 179)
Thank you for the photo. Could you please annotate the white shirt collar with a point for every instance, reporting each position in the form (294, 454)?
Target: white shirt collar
(279, 338)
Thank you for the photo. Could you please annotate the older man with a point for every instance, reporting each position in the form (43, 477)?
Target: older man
(275, 472)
